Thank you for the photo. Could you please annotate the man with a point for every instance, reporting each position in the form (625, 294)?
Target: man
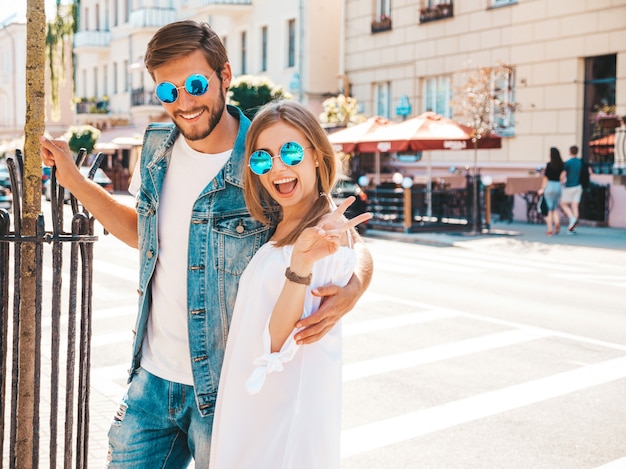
(572, 192)
(195, 238)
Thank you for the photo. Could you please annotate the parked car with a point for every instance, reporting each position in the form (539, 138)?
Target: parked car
(45, 175)
(6, 199)
(99, 177)
(5, 179)
(344, 188)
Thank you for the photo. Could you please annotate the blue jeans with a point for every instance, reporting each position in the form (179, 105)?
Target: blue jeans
(158, 425)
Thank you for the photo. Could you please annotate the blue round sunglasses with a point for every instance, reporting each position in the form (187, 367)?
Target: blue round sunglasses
(291, 153)
(195, 85)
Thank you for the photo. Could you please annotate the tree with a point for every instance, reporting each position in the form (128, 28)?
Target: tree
(479, 103)
(250, 92)
(82, 136)
(27, 440)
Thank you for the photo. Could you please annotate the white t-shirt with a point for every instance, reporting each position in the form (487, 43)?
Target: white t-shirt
(165, 351)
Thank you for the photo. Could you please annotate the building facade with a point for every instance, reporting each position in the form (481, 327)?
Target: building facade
(566, 83)
(13, 88)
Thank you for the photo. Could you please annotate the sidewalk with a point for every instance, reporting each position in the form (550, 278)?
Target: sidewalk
(521, 232)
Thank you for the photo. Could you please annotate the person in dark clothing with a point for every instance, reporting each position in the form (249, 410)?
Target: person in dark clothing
(551, 190)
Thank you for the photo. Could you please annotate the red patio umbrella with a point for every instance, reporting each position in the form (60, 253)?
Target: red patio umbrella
(347, 139)
(428, 131)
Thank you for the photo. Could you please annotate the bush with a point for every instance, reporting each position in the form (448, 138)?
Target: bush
(82, 136)
(249, 93)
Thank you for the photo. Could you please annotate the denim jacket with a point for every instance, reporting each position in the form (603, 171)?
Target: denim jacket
(223, 237)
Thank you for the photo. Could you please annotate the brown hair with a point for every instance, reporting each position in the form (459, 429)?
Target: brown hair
(179, 39)
(299, 117)
(556, 162)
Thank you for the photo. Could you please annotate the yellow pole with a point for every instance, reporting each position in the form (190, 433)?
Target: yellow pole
(408, 211)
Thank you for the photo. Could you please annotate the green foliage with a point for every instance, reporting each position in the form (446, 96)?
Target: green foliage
(341, 110)
(249, 93)
(82, 136)
(59, 34)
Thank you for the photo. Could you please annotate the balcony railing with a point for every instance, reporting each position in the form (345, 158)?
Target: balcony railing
(381, 24)
(152, 17)
(141, 97)
(92, 39)
(436, 12)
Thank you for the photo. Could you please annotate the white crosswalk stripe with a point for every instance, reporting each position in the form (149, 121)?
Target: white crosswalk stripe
(393, 430)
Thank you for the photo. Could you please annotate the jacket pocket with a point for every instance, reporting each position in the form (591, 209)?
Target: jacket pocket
(238, 238)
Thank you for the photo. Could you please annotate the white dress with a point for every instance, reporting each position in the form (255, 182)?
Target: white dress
(283, 409)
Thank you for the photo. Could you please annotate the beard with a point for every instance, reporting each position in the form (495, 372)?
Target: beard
(197, 132)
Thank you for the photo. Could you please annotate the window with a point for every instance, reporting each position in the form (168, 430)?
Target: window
(107, 14)
(244, 53)
(434, 3)
(382, 101)
(126, 76)
(264, 49)
(105, 80)
(95, 81)
(497, 3)
(383, 8)
(291, 41)
(437, 95)
(503, 109)
(599, 115)
(114, 77)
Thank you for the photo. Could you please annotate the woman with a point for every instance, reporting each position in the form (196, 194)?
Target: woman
(551, 190)
(279, 403)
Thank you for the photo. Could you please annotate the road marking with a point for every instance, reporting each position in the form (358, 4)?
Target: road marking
(618, 281)
(375, 366)
(502, 322)
(468, 259)
(99, 340)
(408, 266)
(109, 313)
(414, 424)
(105, 380)
(365, 327)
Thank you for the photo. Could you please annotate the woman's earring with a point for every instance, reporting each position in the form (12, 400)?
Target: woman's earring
(317, 163)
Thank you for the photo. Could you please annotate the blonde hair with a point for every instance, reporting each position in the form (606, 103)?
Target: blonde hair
(258, 200)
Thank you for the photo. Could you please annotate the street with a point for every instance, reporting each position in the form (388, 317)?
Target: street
(491, 353)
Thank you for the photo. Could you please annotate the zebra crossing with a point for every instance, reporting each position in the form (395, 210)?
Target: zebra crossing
(417, 374)
(361, 442)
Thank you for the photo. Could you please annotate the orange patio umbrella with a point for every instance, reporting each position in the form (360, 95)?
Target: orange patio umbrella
(428, 131)
(346, 140)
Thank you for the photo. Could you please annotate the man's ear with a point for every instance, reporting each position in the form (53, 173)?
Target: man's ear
(227, 75)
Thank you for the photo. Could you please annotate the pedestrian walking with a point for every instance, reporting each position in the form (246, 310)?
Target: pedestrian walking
(195, 237)
(573, 190)
(551, 190)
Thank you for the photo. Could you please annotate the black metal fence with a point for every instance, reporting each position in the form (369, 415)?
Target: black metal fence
(62, 336)
(447, 210)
